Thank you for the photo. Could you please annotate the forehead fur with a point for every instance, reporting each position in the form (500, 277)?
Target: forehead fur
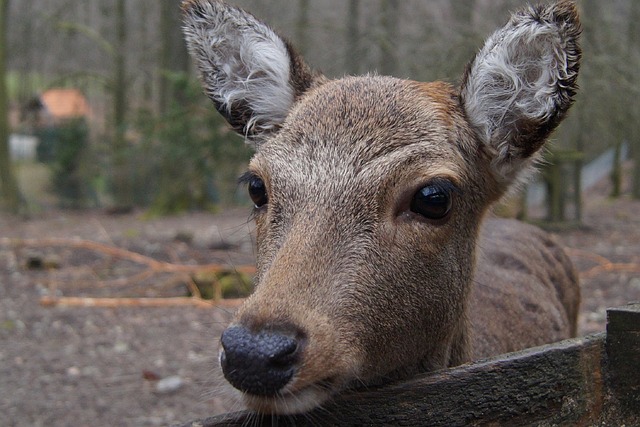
(366, 118)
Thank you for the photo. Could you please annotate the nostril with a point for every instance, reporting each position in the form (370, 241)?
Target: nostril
(285, 354)
(260, 363)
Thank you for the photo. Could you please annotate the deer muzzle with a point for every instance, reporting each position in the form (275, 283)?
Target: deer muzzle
(259, 363)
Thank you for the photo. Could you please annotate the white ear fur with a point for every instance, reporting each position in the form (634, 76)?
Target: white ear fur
(244, 65)
(522, 82)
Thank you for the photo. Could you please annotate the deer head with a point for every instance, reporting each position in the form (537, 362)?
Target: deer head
(369, 192)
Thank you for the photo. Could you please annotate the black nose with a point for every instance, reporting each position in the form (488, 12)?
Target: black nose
(259, 363)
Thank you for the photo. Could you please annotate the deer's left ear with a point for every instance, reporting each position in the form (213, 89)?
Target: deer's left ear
(521, 84)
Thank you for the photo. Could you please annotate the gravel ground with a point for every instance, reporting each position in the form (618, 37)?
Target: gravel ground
(135, 366)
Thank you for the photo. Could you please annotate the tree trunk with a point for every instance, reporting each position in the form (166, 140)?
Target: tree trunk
(174, 56)
(8, 184)
(122, 191)
(26, 88)
(146, 56)
(616, 171)
(633, 110)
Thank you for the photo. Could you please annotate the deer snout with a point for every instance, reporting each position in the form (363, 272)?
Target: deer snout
(259, 363)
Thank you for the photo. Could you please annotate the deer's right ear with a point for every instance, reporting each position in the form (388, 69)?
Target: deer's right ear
(252, 75)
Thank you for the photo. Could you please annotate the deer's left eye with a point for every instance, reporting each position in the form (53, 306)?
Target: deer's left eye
(433, 201)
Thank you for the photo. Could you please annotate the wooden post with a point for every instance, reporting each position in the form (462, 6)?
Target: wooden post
(623, 353)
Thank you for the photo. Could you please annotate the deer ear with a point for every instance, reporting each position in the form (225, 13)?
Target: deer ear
(521, 84)
(252, 75)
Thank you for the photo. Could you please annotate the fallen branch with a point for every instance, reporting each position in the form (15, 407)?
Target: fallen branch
(594, 257)
(604, 264)
(185, 272)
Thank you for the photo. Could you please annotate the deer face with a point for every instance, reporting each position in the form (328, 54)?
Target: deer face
(369, 192)
(361, 229)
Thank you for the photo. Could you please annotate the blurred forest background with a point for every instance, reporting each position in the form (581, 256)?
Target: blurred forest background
(104, 108)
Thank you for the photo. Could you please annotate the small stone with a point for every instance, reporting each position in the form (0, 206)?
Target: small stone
(169, 384)
(73, 372)
(121, 347)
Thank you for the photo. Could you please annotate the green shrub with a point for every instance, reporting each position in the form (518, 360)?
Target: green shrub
(63, 147)
(187, 158)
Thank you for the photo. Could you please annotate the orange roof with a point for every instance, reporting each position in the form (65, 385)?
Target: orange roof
(65, 103)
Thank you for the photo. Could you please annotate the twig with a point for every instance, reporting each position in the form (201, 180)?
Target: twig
(609, 267)
(193, 288)
(598, 259)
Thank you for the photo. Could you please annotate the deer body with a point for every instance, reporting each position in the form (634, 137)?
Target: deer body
(374, 262)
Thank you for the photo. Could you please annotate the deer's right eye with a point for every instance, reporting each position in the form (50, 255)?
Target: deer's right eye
(258, 191)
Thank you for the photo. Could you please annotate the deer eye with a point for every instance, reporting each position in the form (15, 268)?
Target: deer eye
(258, 191)
(434, 200)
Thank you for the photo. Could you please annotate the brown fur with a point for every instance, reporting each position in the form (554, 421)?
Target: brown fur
(372, 290)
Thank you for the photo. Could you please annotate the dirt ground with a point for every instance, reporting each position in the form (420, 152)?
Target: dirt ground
(135, 366)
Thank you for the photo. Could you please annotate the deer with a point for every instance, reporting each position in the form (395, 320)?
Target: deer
(377, 255)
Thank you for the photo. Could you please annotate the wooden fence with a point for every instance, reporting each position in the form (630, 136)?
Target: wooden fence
(594, 380)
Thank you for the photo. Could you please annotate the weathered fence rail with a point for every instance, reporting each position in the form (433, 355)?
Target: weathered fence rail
(583, 381)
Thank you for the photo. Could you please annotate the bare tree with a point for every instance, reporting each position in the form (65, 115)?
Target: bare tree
(174, 57)
(8, 183)
(633, 110)
(146, 58)
(121, 183)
